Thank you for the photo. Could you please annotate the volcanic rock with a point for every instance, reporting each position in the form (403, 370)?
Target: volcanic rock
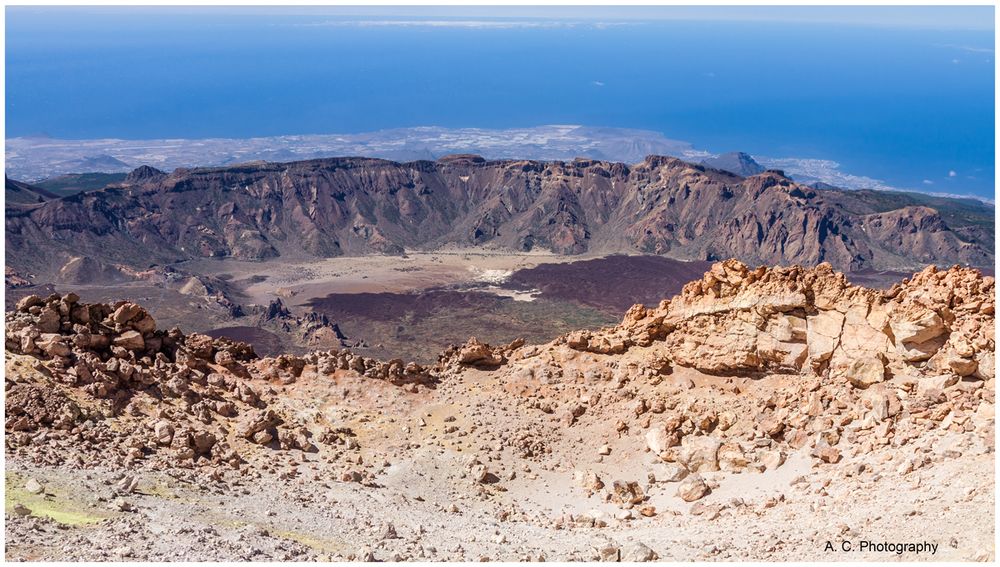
(692, 488)
(354, 206)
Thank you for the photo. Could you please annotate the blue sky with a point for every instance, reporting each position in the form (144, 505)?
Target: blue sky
(923, 17)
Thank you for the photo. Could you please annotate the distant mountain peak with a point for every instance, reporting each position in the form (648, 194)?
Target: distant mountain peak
(824, 186)
(739, 163)
(143, 173)
(462, 158)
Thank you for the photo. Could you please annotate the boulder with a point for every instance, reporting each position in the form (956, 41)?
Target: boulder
(823, 334)
(33, 487)
(145, 324)
(693, 488)
(53, 344)
(163, 432)
(672, 472)
(200, 346)
(962, 366)
(588, 480)
(637, 553)
(883, 401)
(203, 442)
(48, 321)
(771, 459)
(917, 328)
(930, 384)
(130, 340)
(126, 312)
(699, 453)
(731, 457)
(609, 554)
(863, 372)
(479, 473)
(476, 353)
(28, 302)
(254, 422)
(826, 453)
(985, 362)
(659, 438)
(627, 492)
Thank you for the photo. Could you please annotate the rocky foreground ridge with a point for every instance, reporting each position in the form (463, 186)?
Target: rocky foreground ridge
(570, 449)
(114, 353)
(738, 320)
(356, 206)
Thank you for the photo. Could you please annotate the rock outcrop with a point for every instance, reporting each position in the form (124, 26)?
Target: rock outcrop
(113, 355)
(741, 320)
(313, 329)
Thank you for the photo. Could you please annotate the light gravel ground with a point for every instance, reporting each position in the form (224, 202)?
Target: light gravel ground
(950, 504)
(298, 508)
(302, 281)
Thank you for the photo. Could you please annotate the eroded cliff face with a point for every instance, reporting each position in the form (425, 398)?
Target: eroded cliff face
(356, 206)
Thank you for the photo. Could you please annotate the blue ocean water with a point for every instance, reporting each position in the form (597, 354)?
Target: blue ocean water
(913, 107)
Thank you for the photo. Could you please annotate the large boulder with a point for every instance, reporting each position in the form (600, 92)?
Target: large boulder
(637, 552)
(930, 385)
(126, 312)
(731, 457)
(917, 328)
(48, 321)
(53, 344)
(864, 372)
(477, 353)
(27, 302)
(659, 438)
(693, 488)
(823, 335)
(699, 453)
(255, 422)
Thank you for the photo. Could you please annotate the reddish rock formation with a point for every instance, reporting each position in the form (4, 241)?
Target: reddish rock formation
(792, 319)
(359, 206)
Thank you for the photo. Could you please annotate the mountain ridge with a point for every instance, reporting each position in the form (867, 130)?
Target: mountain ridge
(353, 206)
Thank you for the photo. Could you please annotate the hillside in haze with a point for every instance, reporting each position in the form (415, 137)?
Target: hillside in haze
(739, 163)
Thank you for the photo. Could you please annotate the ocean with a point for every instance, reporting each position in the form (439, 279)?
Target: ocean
(912, 107)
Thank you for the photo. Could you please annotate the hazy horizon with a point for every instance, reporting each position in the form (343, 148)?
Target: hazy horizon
(902, 95)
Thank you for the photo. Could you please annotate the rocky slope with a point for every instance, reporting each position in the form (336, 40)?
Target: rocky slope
(360, 206)
(17, 194)
(755, 415)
